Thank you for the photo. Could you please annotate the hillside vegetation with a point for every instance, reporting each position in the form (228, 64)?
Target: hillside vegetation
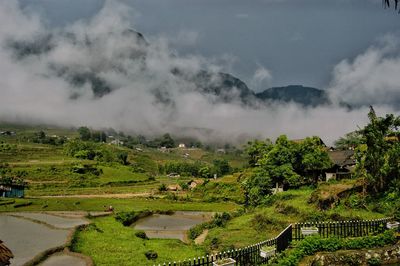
(81, 169)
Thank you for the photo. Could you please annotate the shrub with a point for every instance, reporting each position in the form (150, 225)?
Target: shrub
(195, 231)
(286, 209)
(214, 243)
(220, 220)
(141, 234)
(162, 187)
(313, 244)
(128, 218)
(374, 262)
(151, 255)
(261, 222)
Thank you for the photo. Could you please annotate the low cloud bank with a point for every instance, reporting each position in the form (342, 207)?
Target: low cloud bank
(143, 94)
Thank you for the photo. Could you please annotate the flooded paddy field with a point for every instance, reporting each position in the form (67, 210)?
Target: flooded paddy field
(171, 226)
(28, 234)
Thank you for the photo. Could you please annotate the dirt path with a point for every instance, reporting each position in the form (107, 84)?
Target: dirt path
(92, 196)
(200, 239)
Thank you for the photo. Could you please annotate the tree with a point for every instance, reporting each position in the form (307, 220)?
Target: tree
(221, 167)
(313, 158)
(255, 150)
(205, 172)
(167, 141)
(378, 161)
(279, 162)
(349, 141)
(257, 187)
(99, 136)
(84, 133)
(123, 157)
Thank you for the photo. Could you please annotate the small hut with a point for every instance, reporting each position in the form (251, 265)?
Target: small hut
(5, 255)
(12, 187)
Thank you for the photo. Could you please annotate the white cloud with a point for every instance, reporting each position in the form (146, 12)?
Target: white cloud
(371, 78)
(261, 78)
(32, 92)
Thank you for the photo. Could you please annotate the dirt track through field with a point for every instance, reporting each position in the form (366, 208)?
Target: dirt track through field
(91, 196)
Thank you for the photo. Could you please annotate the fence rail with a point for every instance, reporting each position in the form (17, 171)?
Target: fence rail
(251, 255)
(343, 229)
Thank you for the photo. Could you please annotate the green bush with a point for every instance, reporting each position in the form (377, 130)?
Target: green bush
(126, 218)
(219, 220)
(141, 234)
(374, 262)
(286, 209)
(313, 244)
(151, 255)
(260, 222)
(162, 187)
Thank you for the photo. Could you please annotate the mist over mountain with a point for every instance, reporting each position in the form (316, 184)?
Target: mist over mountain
(100, 72)
(221, 87)
(306, 96)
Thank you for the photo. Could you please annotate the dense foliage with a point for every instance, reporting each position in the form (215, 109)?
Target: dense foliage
(287, 163)
(378, 160)
(313, 244)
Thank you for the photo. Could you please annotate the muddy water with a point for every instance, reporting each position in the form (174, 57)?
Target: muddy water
(26, 238)
(171, 226)
(63, 260)
(56, 221)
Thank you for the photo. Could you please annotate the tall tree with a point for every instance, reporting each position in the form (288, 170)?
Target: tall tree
(279, 161)
(379, 159)
(349, 141)
(313, 158)
(84, 133)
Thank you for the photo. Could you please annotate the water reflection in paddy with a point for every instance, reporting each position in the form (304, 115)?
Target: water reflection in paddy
(26, 238)
(171, 226)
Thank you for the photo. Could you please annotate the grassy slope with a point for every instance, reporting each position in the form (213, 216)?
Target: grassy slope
(118, 245)
(49, 169)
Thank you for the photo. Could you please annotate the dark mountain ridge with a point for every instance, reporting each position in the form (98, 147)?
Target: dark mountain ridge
(220, 87)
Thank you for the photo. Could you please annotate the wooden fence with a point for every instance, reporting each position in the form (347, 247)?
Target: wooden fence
(343, 229)
(251, 255)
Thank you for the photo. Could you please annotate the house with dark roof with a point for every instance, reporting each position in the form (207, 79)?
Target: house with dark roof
(343, 161)
(5, 255)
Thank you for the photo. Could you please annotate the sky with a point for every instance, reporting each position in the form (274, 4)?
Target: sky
(350, 48)
(297, 41)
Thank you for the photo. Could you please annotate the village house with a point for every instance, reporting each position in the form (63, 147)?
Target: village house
(343, 162)
(175, 187)
(221, 151)
(174, 175)
(117, 142)
(194, 183)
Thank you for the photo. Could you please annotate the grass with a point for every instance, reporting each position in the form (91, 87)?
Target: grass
(49, 170)
(114, 244)
(97, 204)
(267, 222)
